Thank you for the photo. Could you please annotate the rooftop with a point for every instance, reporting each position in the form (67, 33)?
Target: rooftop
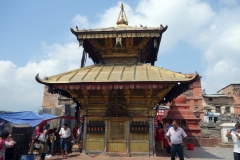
(232, 84)
(215, 95)
(118, 73)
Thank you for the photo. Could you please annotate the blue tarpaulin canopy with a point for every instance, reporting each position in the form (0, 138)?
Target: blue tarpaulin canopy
(29, 117)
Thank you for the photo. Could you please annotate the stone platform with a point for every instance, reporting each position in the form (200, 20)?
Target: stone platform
(199, 153)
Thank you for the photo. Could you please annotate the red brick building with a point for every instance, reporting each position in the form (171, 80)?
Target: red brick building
(54, 100)
(194, 98)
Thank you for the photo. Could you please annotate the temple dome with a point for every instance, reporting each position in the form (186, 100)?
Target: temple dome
(181, 99)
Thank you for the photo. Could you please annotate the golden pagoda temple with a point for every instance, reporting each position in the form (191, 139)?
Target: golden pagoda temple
(119, 91)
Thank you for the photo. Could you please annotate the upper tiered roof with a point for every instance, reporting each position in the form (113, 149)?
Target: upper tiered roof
(136, 43)
(120, 54)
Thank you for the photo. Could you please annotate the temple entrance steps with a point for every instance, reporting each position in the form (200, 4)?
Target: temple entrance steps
(116, 154)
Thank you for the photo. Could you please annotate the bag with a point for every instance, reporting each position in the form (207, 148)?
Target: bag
(41, 138)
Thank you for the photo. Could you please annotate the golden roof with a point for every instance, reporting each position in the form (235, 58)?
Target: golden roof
(122, 30)
(112, 73)
(122, 18)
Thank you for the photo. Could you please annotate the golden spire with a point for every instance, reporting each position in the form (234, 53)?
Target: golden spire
(122, 18)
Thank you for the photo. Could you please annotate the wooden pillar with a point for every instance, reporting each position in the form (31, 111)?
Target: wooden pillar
(128, 154)
(151, 137)
(84, 137)
(104, 153)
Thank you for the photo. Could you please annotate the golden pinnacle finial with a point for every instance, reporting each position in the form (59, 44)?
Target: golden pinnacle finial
(122, 18)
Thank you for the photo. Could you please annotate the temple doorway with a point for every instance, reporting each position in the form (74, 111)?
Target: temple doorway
(117, 135)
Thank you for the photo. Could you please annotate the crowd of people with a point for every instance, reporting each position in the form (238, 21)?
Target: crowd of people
(45, 139)
(6, 140)
(171, 137)
(212, 117)
(167, 136)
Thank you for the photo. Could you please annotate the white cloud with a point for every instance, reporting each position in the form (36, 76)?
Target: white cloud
(81, 22)
(229, 3)
(7, 67)
(221, 74)
(215, 33)
(184, 18)
(18, 85)
(221, 50)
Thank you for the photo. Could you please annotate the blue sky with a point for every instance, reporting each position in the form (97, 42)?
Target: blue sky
(35, 37)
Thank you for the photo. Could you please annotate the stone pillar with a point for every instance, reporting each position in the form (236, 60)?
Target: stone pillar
(104, 153)
(225, 127)
(128, 154)
(151, 137)
(84, 137)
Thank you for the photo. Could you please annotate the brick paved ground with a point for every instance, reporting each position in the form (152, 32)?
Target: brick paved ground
(205, 153)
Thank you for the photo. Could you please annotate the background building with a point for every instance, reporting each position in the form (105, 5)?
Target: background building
(194, 98)
(218, 103)
(233, 90)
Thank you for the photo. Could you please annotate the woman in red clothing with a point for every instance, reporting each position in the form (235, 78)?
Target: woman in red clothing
(159, 136)
(74, 133)
(38, 131)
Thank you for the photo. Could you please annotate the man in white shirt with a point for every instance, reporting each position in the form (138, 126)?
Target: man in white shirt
(177, 140)
(236, 140)
(65, 134)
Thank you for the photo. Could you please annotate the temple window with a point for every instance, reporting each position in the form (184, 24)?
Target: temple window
(189, 93)
(210, 99)
(218, 109)
(227, 109)
(196, 104)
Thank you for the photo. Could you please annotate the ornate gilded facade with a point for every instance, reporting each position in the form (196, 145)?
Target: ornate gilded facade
(119, 91)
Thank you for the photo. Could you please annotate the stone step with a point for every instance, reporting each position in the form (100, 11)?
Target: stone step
(116, 154)
(139, 154)
(226, 145)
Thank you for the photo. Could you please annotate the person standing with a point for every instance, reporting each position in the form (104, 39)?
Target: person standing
(176, 138)
(74, 133)
(209, 114)
(6, 141)
(236, 140)
(65, 134)
(220, 118)
(43, 137)
(79, 134)
(51, 134)
(38, 131)
(2, 125)
(160, 137)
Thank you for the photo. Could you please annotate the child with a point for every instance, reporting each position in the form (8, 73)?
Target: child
(36, 148)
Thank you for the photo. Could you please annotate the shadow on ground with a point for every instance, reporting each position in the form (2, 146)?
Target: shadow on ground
(209, 153)
(203, 153)
(59, 157)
